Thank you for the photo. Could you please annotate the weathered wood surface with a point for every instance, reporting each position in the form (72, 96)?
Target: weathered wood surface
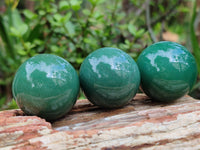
(141, 124)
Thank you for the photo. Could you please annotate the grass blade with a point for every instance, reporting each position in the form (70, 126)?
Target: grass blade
(194, 41)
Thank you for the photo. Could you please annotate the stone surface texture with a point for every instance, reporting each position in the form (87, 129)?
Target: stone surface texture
(46, 85)
(168, 71)
(142, 124)
(109, 77)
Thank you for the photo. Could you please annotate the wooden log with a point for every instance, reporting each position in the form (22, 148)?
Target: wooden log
(142, 124)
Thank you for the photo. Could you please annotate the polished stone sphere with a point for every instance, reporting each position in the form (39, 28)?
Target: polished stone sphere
(109, 77)
(46, 85)
(168, 71)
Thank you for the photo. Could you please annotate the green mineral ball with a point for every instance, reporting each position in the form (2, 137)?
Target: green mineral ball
(109, 77)
(168, 71)
(46, 85)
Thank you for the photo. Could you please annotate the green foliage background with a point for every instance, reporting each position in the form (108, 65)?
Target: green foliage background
(74, 28)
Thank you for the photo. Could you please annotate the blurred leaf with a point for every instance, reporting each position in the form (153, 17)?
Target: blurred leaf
(86, 12)
(53, 22)
(93, 2)
(12, 3)
(14, 19)
(132, 29)
(57, 17)
(35, 33)
(133, 55)
(79, 60)
(96, 2)
(23, 29)
(184, 9)
(194, 41)
(161, 7)
(75, 4)
(136, 46)
(10, 105)
(140, 32)
(22, 52)
(70, 28)
(66, 18)
(127, 42)
(90, 41)
(20, 31)
(42, 12)
(29, 14)
(38, 41)
(54, 48)
(8, 41)
(97, 15)
(72, 46)
(29, 45)
(2, 100)
(123, 46)
(64, 5)
(15, 32)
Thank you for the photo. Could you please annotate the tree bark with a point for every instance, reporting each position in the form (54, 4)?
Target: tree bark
(142, 124)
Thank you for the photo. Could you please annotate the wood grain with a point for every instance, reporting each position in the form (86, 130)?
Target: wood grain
(141, 124)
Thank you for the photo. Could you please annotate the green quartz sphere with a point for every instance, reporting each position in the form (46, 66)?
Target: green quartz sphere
(168, 71)
(46, 85)
(109, 77)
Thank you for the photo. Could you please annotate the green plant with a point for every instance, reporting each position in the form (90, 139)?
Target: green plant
(194, 41)
(9, 60)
